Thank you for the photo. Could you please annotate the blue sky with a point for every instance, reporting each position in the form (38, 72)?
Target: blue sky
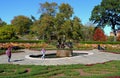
(11, 8)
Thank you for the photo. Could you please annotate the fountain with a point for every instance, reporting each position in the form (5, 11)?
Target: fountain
(64, 49)
(53, 55)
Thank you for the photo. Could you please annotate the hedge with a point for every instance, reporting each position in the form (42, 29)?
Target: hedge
(42, 41)
(22, 41)
(99, 42)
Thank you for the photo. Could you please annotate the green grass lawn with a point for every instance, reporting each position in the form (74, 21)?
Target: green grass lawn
(104, 70)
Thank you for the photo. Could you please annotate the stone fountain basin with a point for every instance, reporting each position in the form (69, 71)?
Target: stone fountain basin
(51, 56)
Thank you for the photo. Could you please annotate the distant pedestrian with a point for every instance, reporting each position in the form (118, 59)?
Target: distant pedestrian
(8, 53)
(43, 53)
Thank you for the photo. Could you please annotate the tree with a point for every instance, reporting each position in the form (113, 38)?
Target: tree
(33, 18)
(63, 22)
(118, 38)
(87, 32)
(99, 35)
(76, 28)
(48, 12)
(107, 13)
(110, 38)
(53, 23)
(7, 32)
(66, 29)
(48, 8)
(44, 27)
(66, 10)
(47, 26)
(22, 24)
(56, 21)
(35, 28)
(2, 23)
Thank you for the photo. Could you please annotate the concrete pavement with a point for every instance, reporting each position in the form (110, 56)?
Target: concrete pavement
(94, 56)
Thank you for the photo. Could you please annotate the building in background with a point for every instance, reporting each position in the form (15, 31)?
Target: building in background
(117, 33)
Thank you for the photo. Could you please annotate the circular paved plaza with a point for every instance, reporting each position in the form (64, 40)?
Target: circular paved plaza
(93, 57)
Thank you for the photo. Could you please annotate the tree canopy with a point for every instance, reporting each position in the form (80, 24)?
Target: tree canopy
(107, 13)
(99, 35)
(48, 8)
(22, 24)
(7, 32)
(2, 23)
(55, 21)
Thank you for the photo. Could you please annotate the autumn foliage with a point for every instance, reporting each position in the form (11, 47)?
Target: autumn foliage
(118, 38)
(99, 35)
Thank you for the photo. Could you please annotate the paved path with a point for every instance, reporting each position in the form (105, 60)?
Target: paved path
(94, 56)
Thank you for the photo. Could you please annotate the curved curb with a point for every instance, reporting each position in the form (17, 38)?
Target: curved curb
(88, 53)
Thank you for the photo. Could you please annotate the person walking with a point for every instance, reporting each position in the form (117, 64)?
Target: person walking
(43, 53)
(8, 53)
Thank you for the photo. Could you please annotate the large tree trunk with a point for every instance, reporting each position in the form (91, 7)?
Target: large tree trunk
(114, 31)
(43, 36)
(115, 38)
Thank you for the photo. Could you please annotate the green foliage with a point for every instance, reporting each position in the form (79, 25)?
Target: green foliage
(35, 28)
(110, 38)
(56, 23)
(2, 51)
(44, 27)
(66, 28)
(100, 10)
(99, 42)
(2, 23)
(48, 8)
(22, 24)
(87, 33)
(66, 10)
(7, 33)
(76, 33)
(107, 13)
